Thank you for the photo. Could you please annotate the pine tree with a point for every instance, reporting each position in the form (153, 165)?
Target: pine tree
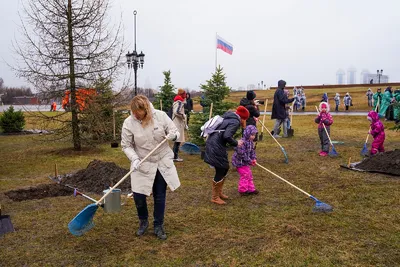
(166, 94)
(215, 91)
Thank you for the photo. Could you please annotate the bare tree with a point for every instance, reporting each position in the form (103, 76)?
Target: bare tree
(66, 44)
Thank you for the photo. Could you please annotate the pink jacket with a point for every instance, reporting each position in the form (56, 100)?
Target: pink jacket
(377, 128)
(324, 118)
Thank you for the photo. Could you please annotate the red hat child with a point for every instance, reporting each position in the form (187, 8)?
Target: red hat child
(243, 113)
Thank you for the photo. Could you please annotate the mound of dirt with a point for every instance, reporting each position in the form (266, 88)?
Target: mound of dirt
(387, 162)
(39, 192)
(98, 176)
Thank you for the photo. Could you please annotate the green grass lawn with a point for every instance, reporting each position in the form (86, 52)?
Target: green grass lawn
(276, 227)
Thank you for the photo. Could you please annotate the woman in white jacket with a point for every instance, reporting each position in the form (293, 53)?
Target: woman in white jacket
(142, 131)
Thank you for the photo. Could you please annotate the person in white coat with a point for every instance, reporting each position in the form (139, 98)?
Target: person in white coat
(142, 131)
(179, 118)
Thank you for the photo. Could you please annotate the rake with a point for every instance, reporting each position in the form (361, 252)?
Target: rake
(319, 205)
(83, 222)
(333, 152)
(263, 121)
(364, 150)
(283, 150)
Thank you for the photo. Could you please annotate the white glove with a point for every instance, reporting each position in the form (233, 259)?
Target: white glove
(171, 136)
(135, 164)
(187, 127)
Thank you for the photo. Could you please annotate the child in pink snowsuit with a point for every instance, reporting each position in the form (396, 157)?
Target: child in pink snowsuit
(324, 118)
(377, 131)
(244, 157)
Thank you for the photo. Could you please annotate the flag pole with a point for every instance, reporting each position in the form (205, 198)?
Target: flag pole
(216, 50)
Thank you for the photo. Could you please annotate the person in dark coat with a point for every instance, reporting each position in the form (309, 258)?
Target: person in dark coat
(188, 106)
(279, 109)
(251, 104)
(216, 154)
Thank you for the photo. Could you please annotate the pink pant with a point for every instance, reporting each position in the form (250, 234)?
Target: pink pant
(246, 180)
(377, 144)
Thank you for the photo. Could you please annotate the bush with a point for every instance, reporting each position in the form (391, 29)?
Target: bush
(12, 121)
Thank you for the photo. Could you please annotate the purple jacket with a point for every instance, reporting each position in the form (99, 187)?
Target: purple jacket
(244, 155)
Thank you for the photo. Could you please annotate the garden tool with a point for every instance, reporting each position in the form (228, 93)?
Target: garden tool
(83, 222)
(114, 143)
(263, 121)
(333, 152)
(6, 225)
(283, 150)
(319, 205)
(290, 131)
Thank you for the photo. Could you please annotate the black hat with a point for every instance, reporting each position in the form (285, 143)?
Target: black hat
(281, 84)
(250, 95)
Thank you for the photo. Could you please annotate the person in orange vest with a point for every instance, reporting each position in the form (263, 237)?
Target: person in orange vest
(54, 106)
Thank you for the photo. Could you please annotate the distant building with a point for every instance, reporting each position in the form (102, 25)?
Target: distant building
(340, 76)
(364, 78)
(351, 76)
(251, 87)
(25, 100)
(375, 78)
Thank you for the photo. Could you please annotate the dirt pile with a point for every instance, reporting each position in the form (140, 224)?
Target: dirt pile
(387, 162)
(39, 192)
(98, 176)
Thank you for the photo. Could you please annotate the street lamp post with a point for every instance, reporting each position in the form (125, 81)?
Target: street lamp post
(135, 60)
(379, 73)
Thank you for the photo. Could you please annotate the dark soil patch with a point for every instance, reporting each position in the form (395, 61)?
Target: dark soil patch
(387, 162)
(39, 192)
(98, 176)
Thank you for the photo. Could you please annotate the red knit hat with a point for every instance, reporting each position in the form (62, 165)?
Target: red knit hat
(182, 92)
(243, 113)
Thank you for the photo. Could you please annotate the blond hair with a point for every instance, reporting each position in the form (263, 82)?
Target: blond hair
(141, 102)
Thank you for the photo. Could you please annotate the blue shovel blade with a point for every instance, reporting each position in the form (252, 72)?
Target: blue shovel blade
(364, 151)
(190, 148)
(333, 153)
(83, 222)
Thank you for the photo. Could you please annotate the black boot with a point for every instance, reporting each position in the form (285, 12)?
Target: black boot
(143, 224)
(160, 233)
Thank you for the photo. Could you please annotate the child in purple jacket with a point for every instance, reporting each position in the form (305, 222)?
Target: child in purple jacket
(244, 157)
(324, 118)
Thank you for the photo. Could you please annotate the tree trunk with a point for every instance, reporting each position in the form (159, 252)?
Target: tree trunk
(74, 109)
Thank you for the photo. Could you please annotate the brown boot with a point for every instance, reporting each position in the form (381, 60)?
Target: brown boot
(215, 193)
(221, 195)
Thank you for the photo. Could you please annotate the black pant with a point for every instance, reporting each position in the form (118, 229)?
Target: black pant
(337, 108)
(220, 173)
(175, 149)
(159, 194)
(347, 107)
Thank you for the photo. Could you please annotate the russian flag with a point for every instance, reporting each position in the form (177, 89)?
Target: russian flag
(224, 45)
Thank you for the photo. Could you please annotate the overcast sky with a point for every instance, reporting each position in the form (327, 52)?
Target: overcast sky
(300, 41)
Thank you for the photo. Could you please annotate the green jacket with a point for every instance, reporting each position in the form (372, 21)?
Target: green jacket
(386, 99)
(377, 98)
(396, 96)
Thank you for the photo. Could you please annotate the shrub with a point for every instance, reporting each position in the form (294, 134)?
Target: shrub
(12, 121)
